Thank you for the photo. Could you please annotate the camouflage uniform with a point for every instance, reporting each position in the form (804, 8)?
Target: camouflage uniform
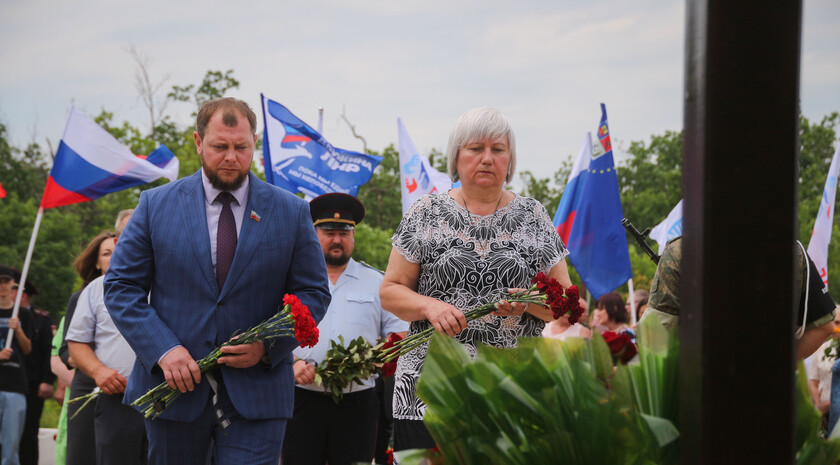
(664, 299)
(665, 290)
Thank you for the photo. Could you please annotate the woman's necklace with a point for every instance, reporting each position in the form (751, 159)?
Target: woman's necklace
(493, 219)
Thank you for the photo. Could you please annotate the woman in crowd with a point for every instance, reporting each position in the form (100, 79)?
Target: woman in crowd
(456, 250)
(90, 264)
(610, 314)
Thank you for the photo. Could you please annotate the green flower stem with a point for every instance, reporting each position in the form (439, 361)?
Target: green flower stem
(416, 340)
(159, 397)
(88, 398)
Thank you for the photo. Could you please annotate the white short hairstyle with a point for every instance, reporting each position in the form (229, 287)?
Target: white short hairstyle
(479, 124)
(120, 217)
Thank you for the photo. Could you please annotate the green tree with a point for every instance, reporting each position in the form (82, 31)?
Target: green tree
(373, 246)
(650, 181)
(214, 85)
(381, 196)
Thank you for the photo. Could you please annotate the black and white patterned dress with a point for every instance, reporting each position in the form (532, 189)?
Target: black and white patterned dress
(468, 260)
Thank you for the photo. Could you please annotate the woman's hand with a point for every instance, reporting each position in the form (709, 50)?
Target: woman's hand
(505, 308)
(446, 318)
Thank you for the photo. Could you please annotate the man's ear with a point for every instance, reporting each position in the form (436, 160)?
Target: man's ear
(197, 139)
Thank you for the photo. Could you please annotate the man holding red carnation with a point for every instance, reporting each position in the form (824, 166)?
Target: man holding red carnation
(321, 429)
(202, 258)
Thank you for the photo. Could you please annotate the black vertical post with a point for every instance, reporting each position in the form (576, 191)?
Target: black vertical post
(739, 182)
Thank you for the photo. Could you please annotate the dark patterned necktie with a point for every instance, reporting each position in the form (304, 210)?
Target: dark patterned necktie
(225, 239)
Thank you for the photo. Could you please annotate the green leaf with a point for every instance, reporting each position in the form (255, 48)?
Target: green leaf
(662, 429)
(601, 357)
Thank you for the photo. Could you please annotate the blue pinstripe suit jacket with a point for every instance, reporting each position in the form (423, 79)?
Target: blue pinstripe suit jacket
(164, 253)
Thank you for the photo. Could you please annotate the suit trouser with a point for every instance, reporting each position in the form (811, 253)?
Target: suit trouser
(120, 432)
(323, 431)
(81, 440)
(29, 442)
(241, 442)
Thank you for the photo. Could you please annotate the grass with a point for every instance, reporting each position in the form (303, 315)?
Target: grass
(49, 418)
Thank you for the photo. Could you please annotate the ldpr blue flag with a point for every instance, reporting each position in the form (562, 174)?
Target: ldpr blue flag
(298, 159)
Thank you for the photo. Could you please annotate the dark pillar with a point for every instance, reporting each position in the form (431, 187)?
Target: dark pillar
(739, 182)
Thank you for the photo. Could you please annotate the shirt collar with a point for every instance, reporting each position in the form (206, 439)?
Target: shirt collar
(210, 192)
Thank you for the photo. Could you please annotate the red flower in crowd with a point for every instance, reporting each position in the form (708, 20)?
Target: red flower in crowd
(621, 346)
(389, 368)
(306, 330)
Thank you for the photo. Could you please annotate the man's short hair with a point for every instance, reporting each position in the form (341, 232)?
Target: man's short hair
(230, 106)
(118, 226)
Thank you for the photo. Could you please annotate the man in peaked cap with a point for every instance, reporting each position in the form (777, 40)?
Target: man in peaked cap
(321, 430)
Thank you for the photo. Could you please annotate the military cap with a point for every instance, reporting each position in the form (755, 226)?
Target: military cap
(336, 211)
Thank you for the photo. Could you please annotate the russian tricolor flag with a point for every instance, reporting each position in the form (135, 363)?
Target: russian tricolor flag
(90, 163)
(588, 218)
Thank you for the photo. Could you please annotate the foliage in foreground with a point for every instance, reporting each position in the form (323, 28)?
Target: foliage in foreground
(548, 401)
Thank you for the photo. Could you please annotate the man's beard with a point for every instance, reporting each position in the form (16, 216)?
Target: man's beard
(222, 185)
(333, 260)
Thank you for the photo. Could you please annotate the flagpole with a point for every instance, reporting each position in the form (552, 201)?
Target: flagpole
(632, 298)
(321, 120)
(24, 272)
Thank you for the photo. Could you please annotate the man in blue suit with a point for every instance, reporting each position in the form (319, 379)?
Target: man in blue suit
(201, 258)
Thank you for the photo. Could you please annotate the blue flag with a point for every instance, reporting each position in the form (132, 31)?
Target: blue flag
(588, 218)
(298, 159)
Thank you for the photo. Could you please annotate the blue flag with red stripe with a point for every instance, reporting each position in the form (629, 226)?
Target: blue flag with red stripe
(588, 218)
(90, 163)
(299, 159)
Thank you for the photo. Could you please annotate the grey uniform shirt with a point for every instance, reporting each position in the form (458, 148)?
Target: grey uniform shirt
(92, 324)
(354, 311)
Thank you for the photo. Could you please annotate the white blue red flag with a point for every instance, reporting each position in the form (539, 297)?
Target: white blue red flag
(818, 246)
(298, 159)
(669, 228)
(588, 218)
(418, 176)
(91, 163)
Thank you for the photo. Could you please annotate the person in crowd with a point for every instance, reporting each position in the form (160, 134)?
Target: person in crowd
(640, 298)
(81, 439)
(99, 351)
(562, 328)
(62, 393)
(13, 383)
(321, 430)
(38, 372)
(814, 316)
(459, 249)
(202, 257)
(819, 374)
(610, 314)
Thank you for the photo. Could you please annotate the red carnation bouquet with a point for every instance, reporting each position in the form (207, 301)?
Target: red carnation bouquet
(546, 292)
(293, 319)
(342, 366)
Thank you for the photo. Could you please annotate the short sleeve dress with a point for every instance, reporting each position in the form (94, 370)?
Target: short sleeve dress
(468, 260)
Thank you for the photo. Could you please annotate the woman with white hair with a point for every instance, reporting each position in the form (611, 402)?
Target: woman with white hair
(459, 249)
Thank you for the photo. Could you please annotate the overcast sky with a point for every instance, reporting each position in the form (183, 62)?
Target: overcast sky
(545, 64)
